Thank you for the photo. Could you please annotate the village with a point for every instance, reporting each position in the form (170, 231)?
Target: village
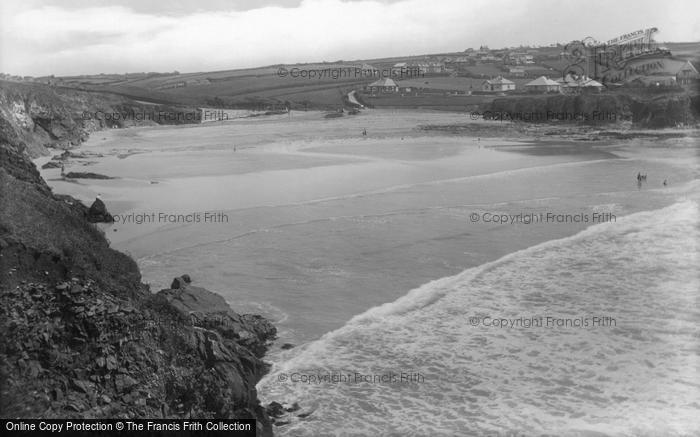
(631, 63)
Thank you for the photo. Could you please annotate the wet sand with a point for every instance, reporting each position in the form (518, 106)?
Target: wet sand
(322, 223)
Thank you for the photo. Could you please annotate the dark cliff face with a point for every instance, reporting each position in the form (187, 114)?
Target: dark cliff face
(82, 336)
(640, 110)
(43, 116)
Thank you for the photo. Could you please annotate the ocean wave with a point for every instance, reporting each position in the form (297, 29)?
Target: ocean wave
(488, 367)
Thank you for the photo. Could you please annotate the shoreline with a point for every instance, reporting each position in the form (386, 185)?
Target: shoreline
(156, 241)
(80, 321)
(327, 358)
(447, 228)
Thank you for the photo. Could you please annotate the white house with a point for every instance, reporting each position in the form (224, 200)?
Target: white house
(383, 86)
(543, 85)
(498, 84)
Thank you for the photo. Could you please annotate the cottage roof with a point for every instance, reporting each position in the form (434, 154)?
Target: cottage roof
(542, 81)
(583, 81)
(675, 66)
(384, 82)
(592, 83)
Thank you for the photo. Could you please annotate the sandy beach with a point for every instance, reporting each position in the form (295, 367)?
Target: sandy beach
(246, 217)
(321, 228)
(268, 198)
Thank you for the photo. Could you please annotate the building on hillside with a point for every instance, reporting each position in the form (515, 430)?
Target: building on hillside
(490, 59)
(519, 58)
(683, 70)
(543, 85)
(399, 69)
(651, 65)
(422, 67)
(499, 84)
(436, 67)
(382, 86)
(572, 84)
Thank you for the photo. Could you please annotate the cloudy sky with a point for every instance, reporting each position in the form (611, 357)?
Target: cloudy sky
(40, 37)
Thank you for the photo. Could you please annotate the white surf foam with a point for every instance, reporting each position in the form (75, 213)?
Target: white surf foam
(638, 376)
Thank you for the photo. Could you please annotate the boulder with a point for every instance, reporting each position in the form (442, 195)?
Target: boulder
(209, 310)
(275, 409)
(51, 164)
(97, 213)
(295, 407)
(86, 175)
(189, 299)
(180, 282)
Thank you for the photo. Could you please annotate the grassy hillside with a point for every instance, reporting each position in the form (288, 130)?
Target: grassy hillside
(265, 88)
(79, 328)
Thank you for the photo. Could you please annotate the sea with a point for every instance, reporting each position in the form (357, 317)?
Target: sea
(595, 334)
(431, 285)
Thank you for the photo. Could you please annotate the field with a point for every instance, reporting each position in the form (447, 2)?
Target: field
(317, 86)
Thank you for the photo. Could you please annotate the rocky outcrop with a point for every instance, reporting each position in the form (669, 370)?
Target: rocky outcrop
(46, 238)
(180, 282)
(665, 111)
(76, 350)
(83, 337)
(41, 116)
(614, 108)
(52, 164)
(209, 310)
(97, 213)
(86, 175)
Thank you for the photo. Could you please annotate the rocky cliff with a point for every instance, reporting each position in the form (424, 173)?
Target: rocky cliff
(42, 116)
(640, 110)
(82, 336)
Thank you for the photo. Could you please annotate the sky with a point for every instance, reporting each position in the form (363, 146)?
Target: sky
(70, 37)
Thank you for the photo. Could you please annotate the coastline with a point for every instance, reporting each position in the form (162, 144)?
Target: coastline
(395, 139)
(512, 338)
(538, 157)
(85, 336)
(235, 218)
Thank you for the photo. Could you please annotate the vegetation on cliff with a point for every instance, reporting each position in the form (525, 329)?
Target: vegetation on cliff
(639, 110)
(43, 116)
(82, 336)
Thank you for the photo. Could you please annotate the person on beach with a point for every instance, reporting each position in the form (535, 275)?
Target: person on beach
(665, 182)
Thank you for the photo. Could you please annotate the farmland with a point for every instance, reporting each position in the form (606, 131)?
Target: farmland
(323, 85)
